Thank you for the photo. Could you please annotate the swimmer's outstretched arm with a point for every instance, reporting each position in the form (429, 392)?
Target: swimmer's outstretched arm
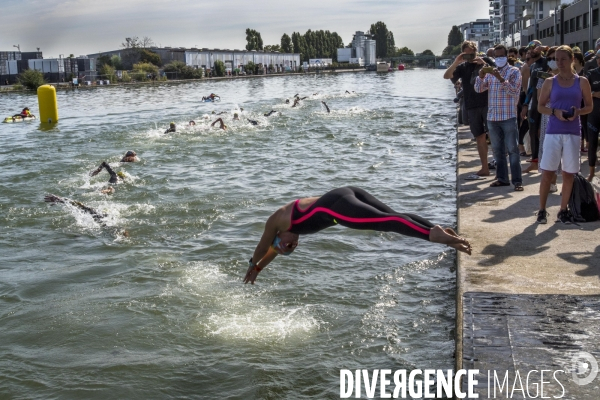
(325, 104)
(113, 175)
(50, 198)
(220, 120)
(264, 253)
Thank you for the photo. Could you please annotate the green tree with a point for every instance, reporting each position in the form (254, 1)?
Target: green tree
(455, 37)
(115, 61)
(251, 68)
(104, 59)
(384, 39)
(405, 51)
(108, 72)
(253, 39)
(131, 43)
(31, 79)
(452, 50)
(427, 53)
(219, 68)
(179, 70)
(142, 69)
(286, 44)
(272, 47)
(148, 56)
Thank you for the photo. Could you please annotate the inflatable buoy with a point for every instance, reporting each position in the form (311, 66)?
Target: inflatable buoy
(48, 104)
(401, 67)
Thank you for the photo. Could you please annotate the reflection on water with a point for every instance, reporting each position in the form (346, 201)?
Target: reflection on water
(162, 313)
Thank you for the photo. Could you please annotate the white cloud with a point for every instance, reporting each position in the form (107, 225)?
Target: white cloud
(83, 27)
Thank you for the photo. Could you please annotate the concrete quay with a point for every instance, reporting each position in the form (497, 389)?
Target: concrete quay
(528, 298)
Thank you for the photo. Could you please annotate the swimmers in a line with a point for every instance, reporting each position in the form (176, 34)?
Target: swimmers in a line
(347, 206)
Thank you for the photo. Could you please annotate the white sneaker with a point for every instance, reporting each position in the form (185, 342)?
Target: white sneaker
(553, 188)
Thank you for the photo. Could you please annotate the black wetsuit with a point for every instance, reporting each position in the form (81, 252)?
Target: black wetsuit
(270, 113)
(593, 119)
(113, 175)
(253, 122)
(355, 208)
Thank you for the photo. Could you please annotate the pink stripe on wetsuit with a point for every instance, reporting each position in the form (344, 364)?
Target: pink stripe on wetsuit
(355, 208)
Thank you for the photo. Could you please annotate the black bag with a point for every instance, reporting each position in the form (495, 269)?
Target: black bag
(582, 204)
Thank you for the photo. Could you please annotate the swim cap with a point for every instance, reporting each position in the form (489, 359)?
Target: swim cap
(121, 174)
(279, 247)
(130, 154)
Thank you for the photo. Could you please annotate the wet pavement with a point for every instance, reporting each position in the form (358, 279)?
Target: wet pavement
(528, 298)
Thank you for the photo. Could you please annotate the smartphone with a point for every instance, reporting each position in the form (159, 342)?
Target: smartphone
(487, 70)
(543, 75)
(569, 114)
(468, 57)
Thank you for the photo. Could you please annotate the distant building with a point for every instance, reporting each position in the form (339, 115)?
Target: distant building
(12, 63)
(205, 58)
(478, 31)
(363, 48)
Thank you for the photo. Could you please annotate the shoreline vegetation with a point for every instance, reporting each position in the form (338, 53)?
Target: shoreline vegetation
(68, 86)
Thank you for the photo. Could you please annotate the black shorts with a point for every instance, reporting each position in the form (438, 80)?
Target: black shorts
(478, 120)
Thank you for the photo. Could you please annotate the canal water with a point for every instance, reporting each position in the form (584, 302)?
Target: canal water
(88, 313)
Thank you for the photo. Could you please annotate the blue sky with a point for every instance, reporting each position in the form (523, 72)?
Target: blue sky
(84, 26)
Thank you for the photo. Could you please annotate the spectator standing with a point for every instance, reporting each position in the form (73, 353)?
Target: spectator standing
(539, 64)
(503, 86)
(564, 92)
(476, 104)
(593, 119)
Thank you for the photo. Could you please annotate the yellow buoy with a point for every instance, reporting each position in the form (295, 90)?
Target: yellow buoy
(48, 105)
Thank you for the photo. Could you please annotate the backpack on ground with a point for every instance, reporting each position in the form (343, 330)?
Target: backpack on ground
(582, 204)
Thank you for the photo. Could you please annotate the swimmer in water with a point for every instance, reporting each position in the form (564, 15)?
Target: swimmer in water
(347, 206)
(130, 156)
(325, 104)
(192, 123)
(252, 121)
(114, 176)
(296, 102)
(269, 113)
(287, 101)
(97, 215)
(220, 121)
(223, 112)
(236, 117)
(171, 128)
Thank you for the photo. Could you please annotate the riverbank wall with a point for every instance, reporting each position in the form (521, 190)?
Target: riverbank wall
(528, 298)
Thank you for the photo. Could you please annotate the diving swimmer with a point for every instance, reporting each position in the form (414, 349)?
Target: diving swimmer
(220, 121)
(347, 206)
(325, 104)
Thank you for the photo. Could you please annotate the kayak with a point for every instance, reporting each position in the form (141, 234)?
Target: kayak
(10, 120)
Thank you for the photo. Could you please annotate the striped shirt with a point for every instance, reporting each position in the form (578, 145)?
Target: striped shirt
(502, 97)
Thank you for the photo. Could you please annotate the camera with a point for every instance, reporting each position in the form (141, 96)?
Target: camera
(468, 57)
(487, 70)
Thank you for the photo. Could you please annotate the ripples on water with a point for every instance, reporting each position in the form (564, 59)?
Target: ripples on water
(89, 314)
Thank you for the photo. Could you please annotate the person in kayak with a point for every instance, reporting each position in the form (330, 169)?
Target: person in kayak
(347, 206)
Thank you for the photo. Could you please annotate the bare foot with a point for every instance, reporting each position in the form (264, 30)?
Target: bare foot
(483, 172)
(450, 238)
(532, 167)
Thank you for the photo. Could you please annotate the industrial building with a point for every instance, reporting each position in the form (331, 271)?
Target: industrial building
(205, 58)
(362, 52)
(13, 63)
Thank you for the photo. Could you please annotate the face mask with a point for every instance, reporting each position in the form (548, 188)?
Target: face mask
(501, 61)
(552, 64)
